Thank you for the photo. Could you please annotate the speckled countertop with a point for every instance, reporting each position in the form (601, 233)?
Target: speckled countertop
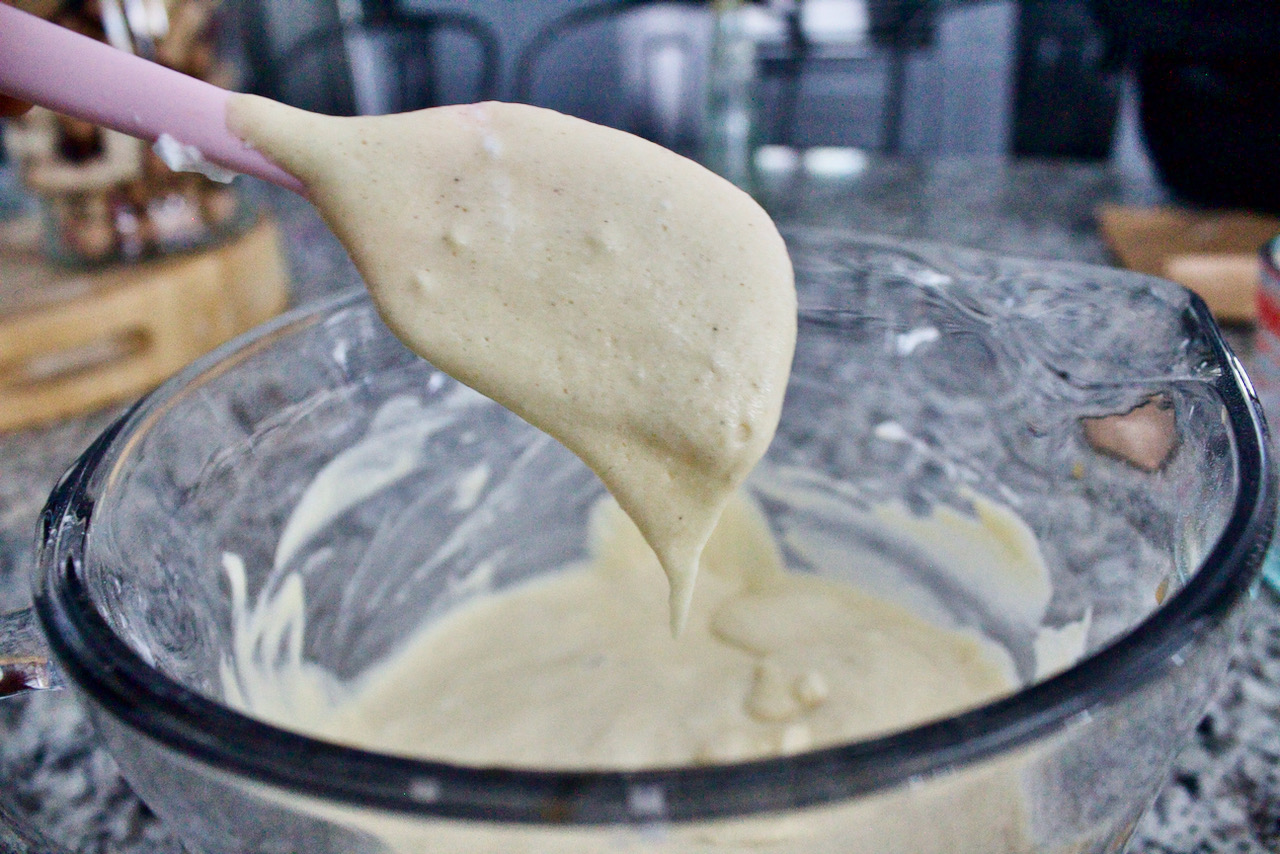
(1224, 792)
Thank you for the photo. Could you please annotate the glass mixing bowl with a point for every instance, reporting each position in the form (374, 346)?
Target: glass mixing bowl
(1102, 407)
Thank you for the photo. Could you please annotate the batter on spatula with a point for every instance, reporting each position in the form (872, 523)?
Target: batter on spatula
(622, 298)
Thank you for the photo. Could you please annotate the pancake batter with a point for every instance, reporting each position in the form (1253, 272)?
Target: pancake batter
(622, 298)
(576, 670)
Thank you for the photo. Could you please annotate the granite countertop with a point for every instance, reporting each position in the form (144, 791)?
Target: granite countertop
(1222, 796)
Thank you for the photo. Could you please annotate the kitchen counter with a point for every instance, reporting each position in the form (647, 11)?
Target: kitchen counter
(1224, 792)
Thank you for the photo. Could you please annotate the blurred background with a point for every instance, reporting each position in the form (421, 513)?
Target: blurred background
(1173, 80)
(922, 77)
(1168, 82)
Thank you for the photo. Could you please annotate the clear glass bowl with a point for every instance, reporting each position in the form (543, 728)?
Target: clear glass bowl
(923, 375)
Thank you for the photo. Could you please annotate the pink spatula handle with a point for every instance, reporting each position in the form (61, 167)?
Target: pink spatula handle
(75, 75)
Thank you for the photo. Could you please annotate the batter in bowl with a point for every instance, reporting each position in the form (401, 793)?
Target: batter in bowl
(576, 670)
(624, 299)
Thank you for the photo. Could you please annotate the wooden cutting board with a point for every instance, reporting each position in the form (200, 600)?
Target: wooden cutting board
(1214, 253)
(73, 341)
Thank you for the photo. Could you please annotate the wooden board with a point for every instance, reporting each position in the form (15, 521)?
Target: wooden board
(73, 341)
(1214, 253)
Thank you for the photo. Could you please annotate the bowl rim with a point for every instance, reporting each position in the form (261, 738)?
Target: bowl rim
(119, 681)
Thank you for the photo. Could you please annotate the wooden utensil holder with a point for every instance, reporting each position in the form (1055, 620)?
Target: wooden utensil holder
(74, 341)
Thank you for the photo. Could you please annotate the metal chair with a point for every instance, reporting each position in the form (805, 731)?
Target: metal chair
(370, 61)
(635, 64)
(627, 63)
(879, 46)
